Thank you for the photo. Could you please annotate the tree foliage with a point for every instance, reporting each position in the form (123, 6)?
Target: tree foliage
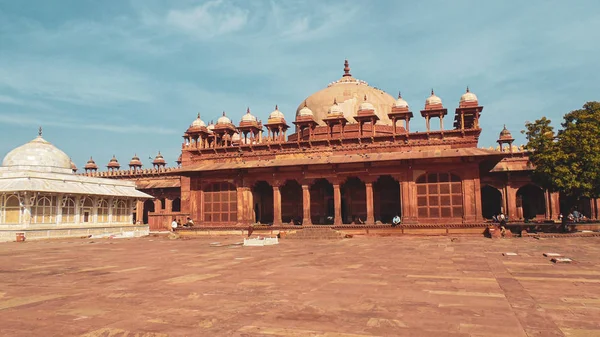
(567, 161)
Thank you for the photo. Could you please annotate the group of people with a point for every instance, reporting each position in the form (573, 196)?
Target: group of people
(500, 218)
(574, 216)
(177, 224)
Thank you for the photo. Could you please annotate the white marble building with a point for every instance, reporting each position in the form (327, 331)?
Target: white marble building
(42, 197)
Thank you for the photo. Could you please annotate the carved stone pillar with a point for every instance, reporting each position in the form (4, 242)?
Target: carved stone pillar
(157, 206)
(370, 214)
(306, 220)
(337, 203)
(276, 205)
(168, 205)
(511, 201)
(408, 197)
(139, 211)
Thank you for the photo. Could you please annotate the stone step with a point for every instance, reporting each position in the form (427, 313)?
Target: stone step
(314, 233)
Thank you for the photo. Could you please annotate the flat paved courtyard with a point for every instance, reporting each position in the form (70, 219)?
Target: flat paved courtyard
(392, 286)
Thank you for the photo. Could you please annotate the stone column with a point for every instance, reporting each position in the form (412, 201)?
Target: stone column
(597, 208)
(370, 215)
(139, 211)
(408, 197)
(306, 219)
(337, 202)
(276, 205)
(511, 201)
(168, 205)
(157, 206)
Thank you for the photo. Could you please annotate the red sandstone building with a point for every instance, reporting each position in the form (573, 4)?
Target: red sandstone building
(348, 157)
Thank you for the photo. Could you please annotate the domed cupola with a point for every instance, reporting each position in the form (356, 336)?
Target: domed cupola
(335, 110)
(505, 134)
(91, 166)
(505, 138)
(113, 164)
(38, 155)
(159, 161)
(276, 116)
(73, 167)
(365, 105)
(305, 111)
(400, 103)
(433, 102)
(468, 99)
(198, 122)
(211, 127)
(135, 163)
(224, 120)
(197, 126)
(248, 117)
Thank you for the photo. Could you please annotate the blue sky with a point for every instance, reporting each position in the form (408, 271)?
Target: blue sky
(123, 77)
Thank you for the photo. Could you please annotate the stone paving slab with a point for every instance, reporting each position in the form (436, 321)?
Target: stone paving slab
(392, 286)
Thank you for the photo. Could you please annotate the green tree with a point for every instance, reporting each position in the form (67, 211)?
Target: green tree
(567, 161)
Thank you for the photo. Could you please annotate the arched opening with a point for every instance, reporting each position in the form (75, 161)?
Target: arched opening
(439, 195)
(176, 205)
(102, 211)
(291, 202)
(491, 201)
(354, 201)
(530, 202)
(148, 207)
(12, 210)
(584, 207)
(386, 199)
(44, 210)
(121, 212)
(321, 202)
(68, 210)
(220, 203)
(262, 194)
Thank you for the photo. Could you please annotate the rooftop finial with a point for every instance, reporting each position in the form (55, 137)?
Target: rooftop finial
(365, 97)
(248, 110)
(276, 107)
(346, 68)
(468, 88)
(399, 94)
(40, 132)
(432, 92)
(223, 113)
(198, 115)
(305, 103)
(335, 101)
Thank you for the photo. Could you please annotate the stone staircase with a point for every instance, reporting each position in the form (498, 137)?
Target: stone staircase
(313, 233)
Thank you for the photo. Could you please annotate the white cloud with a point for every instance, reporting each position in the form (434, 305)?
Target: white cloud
(208, 20)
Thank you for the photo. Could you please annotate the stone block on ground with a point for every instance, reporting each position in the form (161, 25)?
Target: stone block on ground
(561, 260)
(552, 254)
(510, 254)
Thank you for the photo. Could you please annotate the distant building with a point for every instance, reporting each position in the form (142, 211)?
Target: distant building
(42, 197)
(351, 159)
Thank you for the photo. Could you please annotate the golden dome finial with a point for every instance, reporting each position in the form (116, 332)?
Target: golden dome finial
(346, 68)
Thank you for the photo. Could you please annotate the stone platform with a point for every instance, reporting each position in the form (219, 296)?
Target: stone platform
(385, 286)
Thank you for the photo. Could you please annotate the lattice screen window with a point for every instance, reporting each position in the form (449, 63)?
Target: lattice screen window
(121, 213)
(103, 211)
(220, 203)
(68, 211)
(439, 195)
(44, 210)
(12, 209)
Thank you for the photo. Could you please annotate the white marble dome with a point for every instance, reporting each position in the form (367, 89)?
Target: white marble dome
(276, 113)
(433, 99)
(335, 110)
(468, 96)
(198, 122)
(223, 119)
(400, 102)
(248, 117)
(38, 153)
(366, 105)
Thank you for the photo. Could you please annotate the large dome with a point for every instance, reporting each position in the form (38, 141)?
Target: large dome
(349, 93)
(38, 153)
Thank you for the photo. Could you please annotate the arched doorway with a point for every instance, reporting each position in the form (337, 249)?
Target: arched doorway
(439, 196)
(354, 201)
(148, 207)
(262, 194)
(291, 202)
(530, 202)
(321, 202)
(584, 207)
(176, 205)
(491, 201)
(220, 203)
(386, 199)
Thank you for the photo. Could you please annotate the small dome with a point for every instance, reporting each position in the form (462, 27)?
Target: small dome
(91, 165)
(135, 161)
(366, 105)
(248, 117)
(276, 113)
(198, 122)
(305, 111)
(223, 119)
(73, 166)
(114, 163)
(37, 153)
(159, 159)
(468, 96)
(335, 110)
(505, 134)
(433, 100)
(400, 102)
(210, 127)
(235, 137)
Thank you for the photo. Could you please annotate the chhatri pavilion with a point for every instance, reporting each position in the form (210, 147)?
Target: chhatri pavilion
(347, 157)
(42, 197)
